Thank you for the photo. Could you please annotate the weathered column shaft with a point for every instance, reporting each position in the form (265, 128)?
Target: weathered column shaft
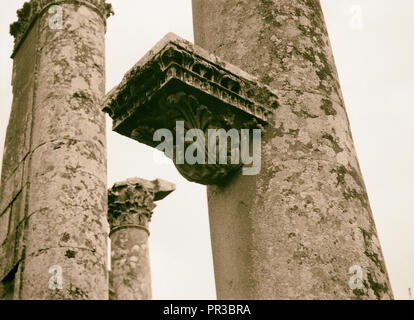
(294, 230)
(130, 207)
(56, 143)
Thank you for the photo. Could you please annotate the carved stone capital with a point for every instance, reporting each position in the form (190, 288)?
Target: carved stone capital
(131, 202)
(178, 81)
(183, 106)
(33, 9)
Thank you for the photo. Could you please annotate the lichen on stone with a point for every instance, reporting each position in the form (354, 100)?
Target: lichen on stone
(33, 8)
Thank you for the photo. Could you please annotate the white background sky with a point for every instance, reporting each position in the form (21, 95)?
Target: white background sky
(376, 68)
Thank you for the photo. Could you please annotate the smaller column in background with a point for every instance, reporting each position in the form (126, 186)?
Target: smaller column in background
(130, 207)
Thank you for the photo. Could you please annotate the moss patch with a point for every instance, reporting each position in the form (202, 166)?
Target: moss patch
(374, 258)
(65, 237)
(70, 254)
(327, 107)
(376, 287)
(335, 144)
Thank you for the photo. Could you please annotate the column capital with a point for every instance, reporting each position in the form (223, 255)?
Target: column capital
(131, 202)
(177, 81)
(33, 9)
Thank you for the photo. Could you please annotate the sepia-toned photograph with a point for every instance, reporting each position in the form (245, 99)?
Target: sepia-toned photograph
(225, 151)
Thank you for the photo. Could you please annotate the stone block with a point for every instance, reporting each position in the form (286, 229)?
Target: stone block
(11, 187)
(178, 81)
(4, 225)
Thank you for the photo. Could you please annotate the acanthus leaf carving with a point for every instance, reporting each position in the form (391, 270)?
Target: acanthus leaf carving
(177, 81)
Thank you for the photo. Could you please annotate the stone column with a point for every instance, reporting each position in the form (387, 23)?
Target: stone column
(130, 207)
(54, 166)
(295, 230)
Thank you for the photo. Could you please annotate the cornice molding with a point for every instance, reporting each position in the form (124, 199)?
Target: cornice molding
(178, 81)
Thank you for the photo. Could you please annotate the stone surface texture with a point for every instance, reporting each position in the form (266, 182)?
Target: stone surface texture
(177, 81)
(130, 207)
(294, 230)
(53, 186)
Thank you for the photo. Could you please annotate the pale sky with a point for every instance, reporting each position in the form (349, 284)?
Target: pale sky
(375, 61)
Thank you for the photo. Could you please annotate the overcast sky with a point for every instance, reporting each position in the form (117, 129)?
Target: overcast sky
(374, 52)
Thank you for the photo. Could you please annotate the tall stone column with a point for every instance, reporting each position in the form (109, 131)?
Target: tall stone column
(54, 167)
(303, 227)
(130, 208)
